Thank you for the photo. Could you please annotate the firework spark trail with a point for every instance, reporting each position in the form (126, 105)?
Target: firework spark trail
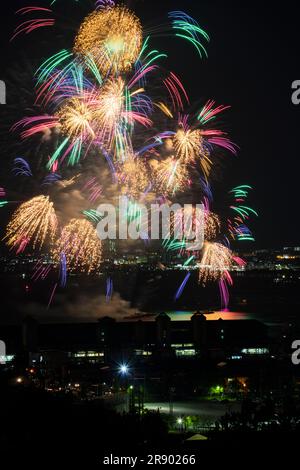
(182, 286)
(224, 292)
(93, 188)
(51, 179)
(164, 108)
(92, 215)
(3, 194)
(237, 228)
(222, 142)
(41, 271)
(21, 245)
(51, 296)
(52, 64)
(63, 270)
(34, 23)
(103, 4)
(109, 289)
(187, 28)
(21, 167)
(209, 112)
(35, 125)
(175, 89)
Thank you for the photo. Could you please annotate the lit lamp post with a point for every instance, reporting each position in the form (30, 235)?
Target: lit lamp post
(179, 421)
(131, 400)
(124, 369)
(124, 372)
(135, 393)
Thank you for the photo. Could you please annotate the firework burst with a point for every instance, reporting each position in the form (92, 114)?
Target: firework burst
(34, 222)
(75, 118)
(189, 147)
(94, 101)
(112, 37)
(133, 177)
(216, 262)
(170, 176)
(81, 246)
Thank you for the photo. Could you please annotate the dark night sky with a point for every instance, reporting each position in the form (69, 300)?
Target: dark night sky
(253, 59)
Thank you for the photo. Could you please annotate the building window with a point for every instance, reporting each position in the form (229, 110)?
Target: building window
(88, 354)
(253, 351)
(142, 352)
(185, 352)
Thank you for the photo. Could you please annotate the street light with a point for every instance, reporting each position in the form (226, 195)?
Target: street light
(179, 421)
(124, 369)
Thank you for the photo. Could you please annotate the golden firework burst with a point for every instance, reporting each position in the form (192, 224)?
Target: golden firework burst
(75, 118)
(133, 177)
(110, 102)
(215, 263)
(109, 110)
(81, 246)
(112, 37)
(189, 147)
(170, 175)
(33, 222)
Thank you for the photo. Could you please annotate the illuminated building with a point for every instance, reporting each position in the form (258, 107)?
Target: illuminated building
(108, 340)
